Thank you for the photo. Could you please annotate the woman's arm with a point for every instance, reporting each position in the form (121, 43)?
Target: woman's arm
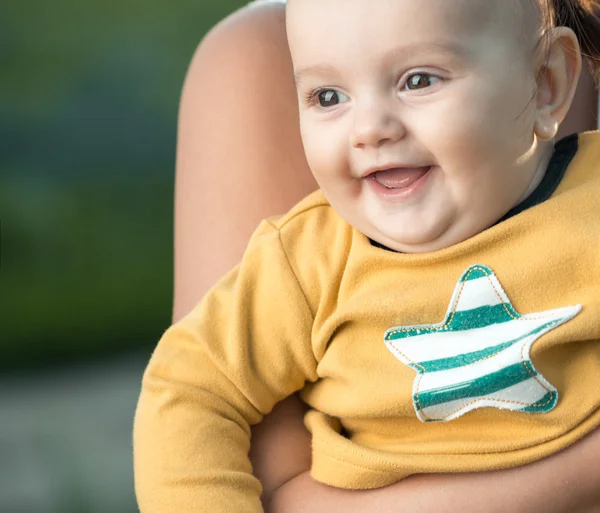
(239, 154)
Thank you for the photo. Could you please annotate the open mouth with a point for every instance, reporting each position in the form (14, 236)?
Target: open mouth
(399, 178)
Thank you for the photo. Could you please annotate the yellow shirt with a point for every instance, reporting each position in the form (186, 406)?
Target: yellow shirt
(480, 356)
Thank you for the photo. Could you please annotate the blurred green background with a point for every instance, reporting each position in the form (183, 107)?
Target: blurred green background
(88, 112)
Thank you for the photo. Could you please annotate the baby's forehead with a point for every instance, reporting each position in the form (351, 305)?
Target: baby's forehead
(457, 15)
(333, 29)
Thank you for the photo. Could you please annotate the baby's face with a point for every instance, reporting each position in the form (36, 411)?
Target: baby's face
(417, 115)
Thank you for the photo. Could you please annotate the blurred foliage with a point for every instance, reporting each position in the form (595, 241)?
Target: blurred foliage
(89, 268)
(88, 108)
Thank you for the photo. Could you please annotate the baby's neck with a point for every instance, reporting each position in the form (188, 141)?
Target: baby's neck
(540, 172)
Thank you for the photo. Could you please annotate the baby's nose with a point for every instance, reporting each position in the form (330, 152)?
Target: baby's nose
(376, 125)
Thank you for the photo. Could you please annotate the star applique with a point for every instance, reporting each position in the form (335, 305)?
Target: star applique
(479, 356)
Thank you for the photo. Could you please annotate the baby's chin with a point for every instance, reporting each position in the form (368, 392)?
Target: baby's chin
(421, 230)
(407, 238)
(436, 238)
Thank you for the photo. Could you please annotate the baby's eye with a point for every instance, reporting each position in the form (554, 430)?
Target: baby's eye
(420, 81)
(330, 98)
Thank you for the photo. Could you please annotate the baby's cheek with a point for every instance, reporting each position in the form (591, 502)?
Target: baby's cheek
(464, 141)
(327, 156)
(316, 151)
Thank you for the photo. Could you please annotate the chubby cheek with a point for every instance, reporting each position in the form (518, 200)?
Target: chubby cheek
(326, 152)
(502, 122)
(488, 134)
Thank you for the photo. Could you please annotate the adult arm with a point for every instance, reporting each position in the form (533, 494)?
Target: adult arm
(239, 154)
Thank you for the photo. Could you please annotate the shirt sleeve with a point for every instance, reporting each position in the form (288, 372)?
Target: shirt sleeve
(245, 347)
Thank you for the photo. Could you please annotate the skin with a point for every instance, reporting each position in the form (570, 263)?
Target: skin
(265, 175)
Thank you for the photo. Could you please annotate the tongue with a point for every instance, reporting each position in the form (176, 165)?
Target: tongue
(400, 178)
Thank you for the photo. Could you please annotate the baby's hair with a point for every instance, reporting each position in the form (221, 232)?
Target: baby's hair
(583, 18)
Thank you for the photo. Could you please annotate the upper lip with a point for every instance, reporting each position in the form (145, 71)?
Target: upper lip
(386, 167)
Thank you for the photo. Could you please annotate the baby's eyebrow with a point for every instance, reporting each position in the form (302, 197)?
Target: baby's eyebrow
(450, 48)
(319, 69)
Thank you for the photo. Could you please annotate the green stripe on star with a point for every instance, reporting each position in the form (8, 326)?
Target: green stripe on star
(474, 273)
(545, 404)
(482, 317)
(476, 318)
(484, 385)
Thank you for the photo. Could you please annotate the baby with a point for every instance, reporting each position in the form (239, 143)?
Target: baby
(435, 303)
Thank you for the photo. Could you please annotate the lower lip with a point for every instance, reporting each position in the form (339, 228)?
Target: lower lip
(399, 192)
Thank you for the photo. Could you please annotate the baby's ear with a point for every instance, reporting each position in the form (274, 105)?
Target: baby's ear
(557, 81)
